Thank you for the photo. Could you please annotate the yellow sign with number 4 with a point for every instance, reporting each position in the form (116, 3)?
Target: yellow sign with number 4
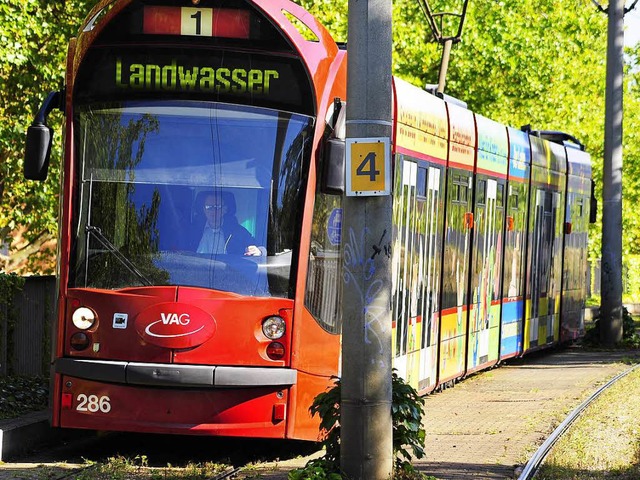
(368, 166)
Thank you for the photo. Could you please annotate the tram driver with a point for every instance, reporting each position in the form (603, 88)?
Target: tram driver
(222, 233)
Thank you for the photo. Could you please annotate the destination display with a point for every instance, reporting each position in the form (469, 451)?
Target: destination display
(236, 77)
(237, 24)
(206, 22)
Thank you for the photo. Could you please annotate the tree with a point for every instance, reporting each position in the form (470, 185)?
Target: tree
(34, 36)
(540, 63)
(631, 153)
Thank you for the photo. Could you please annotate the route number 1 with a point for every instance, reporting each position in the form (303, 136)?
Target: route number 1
(196, 21)
(368, 166)
(198, 18)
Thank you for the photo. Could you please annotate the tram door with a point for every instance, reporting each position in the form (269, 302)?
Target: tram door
(431, 203)
(416, 271)
(542, 322)
(574, 277)
(555, 280)
(484, 309)
(513, 271)
(455, 274)
(548, 185)
(404, 259)
(515, 243)
(540, 267)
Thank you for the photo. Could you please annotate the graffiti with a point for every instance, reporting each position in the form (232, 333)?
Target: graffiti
(386, 247)
(360, 274)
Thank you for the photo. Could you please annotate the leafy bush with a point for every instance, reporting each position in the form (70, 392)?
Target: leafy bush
(629, 336)
(407, 409)
(10, 285)
(20, 395)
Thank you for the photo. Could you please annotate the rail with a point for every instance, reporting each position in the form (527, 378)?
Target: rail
(533, 465)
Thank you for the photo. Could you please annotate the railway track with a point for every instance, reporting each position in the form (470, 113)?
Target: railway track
(533, 465)
(143, 457)
(229, 473)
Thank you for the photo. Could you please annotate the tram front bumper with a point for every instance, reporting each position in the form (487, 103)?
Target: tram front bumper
(176, 375)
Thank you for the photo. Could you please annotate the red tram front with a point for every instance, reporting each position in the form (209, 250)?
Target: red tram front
(189, 151)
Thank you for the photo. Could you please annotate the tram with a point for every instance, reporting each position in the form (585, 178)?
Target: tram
(199, 252)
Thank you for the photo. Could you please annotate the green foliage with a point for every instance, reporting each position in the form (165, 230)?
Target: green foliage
(631, 279)
(630, 337)
(20, 395)
(327, 406)
(538, 62)
(541, 63)
(10, 285)
(319, 469)
(34, 36)
(407, 409)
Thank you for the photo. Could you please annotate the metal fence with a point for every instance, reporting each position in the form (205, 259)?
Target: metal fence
(25, 344)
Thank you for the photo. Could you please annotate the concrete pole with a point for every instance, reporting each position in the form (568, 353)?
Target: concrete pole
(611, 308)
(366, 428)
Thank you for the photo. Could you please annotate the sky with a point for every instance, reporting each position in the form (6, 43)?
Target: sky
(632, 26)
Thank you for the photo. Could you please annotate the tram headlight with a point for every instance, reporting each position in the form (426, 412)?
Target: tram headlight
(84, 318)
(273, 327)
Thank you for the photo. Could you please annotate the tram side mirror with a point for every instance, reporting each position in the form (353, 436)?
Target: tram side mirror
(37, 152)
(39, 139)
(333, 181)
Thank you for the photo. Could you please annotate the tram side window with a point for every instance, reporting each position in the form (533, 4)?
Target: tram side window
(421, 184)
(455, 191)
(481, 193)
(513, 201)
(456, 240)
(464, 190)
(323, 295)
(580, 207)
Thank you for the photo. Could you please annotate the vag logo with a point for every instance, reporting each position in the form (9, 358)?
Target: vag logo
(175, 325)
(174, 319)
(171, 319)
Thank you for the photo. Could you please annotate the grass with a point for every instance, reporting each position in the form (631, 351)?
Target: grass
(604, 443)
(120, 467)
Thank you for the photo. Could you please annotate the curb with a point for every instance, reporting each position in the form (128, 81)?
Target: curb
(23, 433)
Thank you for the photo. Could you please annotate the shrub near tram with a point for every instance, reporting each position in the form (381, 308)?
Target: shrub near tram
(407, 410)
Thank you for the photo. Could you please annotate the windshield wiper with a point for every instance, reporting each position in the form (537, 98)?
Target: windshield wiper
(104, 241)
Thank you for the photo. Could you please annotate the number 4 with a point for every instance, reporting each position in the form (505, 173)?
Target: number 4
(368, 167)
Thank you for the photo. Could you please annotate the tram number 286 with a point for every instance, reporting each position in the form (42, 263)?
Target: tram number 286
(93, 403)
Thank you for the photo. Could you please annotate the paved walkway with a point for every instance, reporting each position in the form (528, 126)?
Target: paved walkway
(490, 424)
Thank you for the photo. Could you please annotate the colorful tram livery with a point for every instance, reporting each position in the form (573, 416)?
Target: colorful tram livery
(233, 109)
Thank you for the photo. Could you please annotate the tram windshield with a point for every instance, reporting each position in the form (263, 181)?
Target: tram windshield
(188, 193)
